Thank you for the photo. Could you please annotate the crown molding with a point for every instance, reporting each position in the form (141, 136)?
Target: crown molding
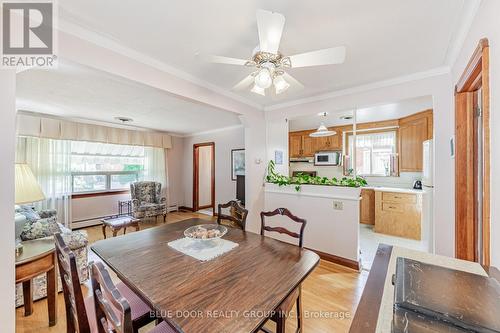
(222, 129)
(363, 88)
(99, 39)
(463, 23)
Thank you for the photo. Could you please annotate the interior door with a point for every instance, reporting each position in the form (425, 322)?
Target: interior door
(204, 176)
(478, 174)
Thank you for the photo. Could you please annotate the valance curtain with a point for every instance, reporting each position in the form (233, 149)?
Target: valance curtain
(50, 161)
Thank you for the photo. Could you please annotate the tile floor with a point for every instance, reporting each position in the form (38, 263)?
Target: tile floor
(369, 240)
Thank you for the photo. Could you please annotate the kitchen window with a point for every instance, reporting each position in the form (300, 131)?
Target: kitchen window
(98, 167)
(375, 154)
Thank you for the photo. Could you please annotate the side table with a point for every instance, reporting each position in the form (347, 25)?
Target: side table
(38, 257)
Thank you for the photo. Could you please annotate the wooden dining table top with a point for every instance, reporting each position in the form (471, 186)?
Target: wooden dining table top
(235, 292)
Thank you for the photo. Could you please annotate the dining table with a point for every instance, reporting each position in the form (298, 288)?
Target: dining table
(234, 292)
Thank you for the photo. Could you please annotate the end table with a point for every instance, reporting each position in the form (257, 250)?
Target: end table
(38, 257)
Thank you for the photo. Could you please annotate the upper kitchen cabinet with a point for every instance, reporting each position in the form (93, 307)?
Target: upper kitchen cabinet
(295, 144)
(302, 145)
(413, 131)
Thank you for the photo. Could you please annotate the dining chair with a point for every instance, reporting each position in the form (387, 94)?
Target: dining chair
(80, 311)
(236, 219)
(113, 312)
(282, 311)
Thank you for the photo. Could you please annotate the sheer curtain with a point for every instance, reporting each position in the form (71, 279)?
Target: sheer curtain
(50, 161)
(154, 167)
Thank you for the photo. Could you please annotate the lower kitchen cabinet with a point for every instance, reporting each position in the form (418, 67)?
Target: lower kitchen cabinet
(398, 214)
(367, 207)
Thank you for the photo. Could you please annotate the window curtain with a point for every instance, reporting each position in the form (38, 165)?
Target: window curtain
(154, 167)
(50, 161)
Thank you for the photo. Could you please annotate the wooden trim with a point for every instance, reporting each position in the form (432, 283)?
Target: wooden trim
(476, 75)
(337, 260)
(366, 316)
(196, 176)
(97, 194)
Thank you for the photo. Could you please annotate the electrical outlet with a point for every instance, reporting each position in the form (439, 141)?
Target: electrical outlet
(338, 205)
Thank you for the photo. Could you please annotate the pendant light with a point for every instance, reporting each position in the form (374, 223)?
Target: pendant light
(322, 129)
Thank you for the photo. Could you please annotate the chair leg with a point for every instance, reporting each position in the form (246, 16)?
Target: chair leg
(280, 324)
(164, 218)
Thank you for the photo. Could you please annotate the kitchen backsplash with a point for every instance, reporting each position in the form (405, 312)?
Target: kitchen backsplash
(405, 179)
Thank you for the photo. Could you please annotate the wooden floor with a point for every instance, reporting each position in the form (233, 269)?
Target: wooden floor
(330, 294)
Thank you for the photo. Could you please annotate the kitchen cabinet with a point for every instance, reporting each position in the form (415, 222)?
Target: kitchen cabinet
(302, 145)
(398, 214)
(367, 207)
(295, 144)
(413, 131)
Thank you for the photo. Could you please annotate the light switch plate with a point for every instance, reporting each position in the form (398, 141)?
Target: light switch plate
(338, 205)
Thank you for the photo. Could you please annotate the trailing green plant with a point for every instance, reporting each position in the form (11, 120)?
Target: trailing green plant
(304, 179)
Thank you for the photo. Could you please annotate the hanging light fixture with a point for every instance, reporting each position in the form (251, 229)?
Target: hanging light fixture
(258, 90)
(280, 84)
(322, 129)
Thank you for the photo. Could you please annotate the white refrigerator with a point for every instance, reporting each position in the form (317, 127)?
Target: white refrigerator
(428, 194)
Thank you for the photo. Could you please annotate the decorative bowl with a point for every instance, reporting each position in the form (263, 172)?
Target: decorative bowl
(205, 232)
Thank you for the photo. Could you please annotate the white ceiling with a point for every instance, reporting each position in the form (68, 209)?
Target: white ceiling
(384, 39)
(388, 111)
(79, 92)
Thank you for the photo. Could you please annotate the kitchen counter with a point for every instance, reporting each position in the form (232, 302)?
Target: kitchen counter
(393, 189)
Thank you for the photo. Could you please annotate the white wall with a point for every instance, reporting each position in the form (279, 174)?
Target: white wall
(486, 25)
(175, 172)
(225, 140)
(86, 209)
(7, 257)
(439, 86)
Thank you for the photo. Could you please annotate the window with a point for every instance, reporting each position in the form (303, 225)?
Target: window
(98, 167)
(375, 153)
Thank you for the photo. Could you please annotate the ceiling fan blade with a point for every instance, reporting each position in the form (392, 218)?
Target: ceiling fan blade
(294, 84)
(331, 56)
(270, 27)
(224, 60)
(244, 84)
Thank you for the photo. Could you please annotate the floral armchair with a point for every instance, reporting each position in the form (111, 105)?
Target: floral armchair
(147, 200)
(32, 224)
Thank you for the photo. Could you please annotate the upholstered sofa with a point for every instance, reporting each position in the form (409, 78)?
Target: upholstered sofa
(76, 240)
(147, 200)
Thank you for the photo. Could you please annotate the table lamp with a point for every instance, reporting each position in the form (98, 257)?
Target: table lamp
(27, 191)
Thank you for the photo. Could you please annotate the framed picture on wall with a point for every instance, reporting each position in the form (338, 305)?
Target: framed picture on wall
(237, 163)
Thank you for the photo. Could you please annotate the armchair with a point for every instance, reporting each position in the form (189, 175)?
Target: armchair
(147, 200)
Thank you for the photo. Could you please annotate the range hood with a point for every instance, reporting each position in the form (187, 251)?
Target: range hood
(302, 159)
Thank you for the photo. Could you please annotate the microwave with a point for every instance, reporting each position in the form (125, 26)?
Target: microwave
(327, 158)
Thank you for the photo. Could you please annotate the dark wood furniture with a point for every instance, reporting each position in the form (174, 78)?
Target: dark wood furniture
(124, 207)
(281, 230)
(296, 296)
(80, 312)
(116, 223)
(367, 312)
(38, 257)
(180, 287)
(236, 219)
(118, 316)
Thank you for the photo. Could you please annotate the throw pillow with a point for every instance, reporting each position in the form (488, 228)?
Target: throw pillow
(29, 212)
(40, 228)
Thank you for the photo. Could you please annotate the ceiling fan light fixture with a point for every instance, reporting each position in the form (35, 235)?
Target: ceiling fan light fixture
(258, 90)
(280, 84)
(264, 79)
(322, 131)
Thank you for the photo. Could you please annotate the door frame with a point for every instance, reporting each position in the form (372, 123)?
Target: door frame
(475, 76)
(196, 177)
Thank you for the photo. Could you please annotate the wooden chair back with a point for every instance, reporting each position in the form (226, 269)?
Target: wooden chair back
(282, 230)
(107, 297)
(241, 214)
(76, 315)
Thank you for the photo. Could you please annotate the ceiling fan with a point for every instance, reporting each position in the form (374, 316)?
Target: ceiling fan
(270, 64)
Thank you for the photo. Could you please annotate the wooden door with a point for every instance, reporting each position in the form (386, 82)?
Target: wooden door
(412, 135)
(322, 143)
(335, 141)
(295, 145)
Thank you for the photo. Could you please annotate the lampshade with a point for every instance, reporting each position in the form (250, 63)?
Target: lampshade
(27, 188)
